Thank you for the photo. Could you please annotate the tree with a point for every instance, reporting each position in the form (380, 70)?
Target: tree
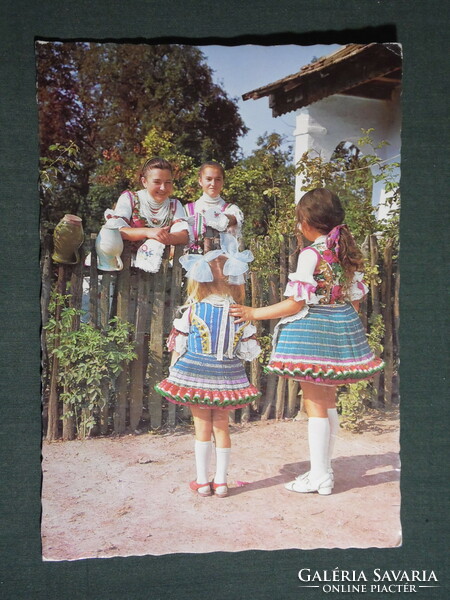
(263, 186)
(134, 87)
(260, 182)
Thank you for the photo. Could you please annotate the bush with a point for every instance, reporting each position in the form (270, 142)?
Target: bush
(90, 360)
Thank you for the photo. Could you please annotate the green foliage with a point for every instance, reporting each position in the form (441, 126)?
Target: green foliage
(90, 360)
(52, 166)
(352, 402)
(263, 186)
(376, 334)
(371, 272)
(265, 342)
(59, 159)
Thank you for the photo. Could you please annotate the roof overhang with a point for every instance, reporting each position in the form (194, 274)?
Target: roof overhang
(363, 70)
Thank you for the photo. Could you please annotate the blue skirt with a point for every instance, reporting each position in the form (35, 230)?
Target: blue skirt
(327, 346)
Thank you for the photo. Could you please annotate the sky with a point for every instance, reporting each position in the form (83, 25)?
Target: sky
(240, 69)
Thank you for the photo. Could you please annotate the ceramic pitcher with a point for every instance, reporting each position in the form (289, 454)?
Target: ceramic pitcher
(109, 246)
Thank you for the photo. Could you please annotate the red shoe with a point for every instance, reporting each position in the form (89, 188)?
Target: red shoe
(196, 487)
(222, 493)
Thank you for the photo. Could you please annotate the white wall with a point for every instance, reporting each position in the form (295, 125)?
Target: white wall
(324, 124)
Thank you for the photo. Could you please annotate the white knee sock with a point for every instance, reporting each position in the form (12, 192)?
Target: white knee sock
(333, 419)
(203, 451)
(222, 461)
(318, 439)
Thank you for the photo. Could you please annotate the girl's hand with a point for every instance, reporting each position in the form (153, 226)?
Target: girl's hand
(244, 313)
(161, 234)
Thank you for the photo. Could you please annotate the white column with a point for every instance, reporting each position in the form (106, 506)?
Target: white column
(308, 135)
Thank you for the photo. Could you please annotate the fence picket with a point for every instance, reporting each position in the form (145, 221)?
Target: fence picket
(123, 296)
(292, 398)
(137, 368)
(53, 404)
(176, 282)
(93, 283)
(272, 380)
(388, 335)
(156, 345)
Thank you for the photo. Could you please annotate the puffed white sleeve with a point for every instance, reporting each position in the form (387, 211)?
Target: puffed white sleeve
(302, 285)
(248, 348)
(236, 212)
(121, 214)
(179, 218)
(178, 337)
(357, 289)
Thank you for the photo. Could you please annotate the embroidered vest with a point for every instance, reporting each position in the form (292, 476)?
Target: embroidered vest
(137, 220)
(199, 225)
(329, 276)
(213, 330)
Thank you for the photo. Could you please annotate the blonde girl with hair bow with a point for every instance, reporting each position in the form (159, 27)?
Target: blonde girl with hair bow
(207, 373)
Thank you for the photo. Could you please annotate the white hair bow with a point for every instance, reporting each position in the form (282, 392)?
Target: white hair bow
(237, 263)
(197, 265)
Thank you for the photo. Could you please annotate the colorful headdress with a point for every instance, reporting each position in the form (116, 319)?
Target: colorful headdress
(197, 265)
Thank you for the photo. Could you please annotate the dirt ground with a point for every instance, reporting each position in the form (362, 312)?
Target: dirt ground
(129, 495)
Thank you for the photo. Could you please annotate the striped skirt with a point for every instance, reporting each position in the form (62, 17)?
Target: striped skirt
(202, 380)
(327, 346)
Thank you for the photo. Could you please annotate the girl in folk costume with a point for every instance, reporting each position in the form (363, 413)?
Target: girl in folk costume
(211, 211)
(150, 215)
(320, 340)
(207, 373)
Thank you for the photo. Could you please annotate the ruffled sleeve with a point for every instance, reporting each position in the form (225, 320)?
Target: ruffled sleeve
(121, 214)
(235, 211)
(357, 289)
(248, 348)
(178, 337)
(302, 284)
(179, 219)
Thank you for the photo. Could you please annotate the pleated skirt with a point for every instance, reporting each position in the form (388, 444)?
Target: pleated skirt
(202, 380)
(327, 346)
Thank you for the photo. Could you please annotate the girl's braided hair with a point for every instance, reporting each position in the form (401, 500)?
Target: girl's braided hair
(155, 163)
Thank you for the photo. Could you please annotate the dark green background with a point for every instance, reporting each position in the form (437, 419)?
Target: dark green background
(422, 27)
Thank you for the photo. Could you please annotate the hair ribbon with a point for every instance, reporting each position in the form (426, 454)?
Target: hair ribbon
(334, 236)
(197, 265)
(237, 263)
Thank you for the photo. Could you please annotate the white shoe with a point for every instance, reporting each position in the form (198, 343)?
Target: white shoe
(306, 475)
(304, 485)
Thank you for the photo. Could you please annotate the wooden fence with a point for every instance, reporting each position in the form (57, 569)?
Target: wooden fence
(149, 302)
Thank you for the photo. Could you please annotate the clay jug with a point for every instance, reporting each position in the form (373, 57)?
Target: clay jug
(67, 239)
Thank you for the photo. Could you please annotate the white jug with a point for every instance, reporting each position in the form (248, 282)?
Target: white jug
(109, 247)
